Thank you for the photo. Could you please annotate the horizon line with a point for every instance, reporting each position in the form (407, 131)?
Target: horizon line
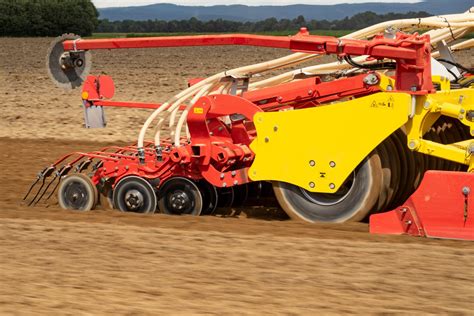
(260, 5)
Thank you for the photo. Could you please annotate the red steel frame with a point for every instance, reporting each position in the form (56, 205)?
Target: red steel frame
(411, 52)
(218, 153)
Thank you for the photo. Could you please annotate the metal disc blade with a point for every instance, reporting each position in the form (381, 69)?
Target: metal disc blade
(66, 78)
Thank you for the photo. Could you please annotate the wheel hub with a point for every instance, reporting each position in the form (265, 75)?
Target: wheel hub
(134, 194)
(180, 196)
(134, 199)
(180, 200)
(75, 196)
(328, 199)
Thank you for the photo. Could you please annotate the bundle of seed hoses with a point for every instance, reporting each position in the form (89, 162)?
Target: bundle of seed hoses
(448, 29)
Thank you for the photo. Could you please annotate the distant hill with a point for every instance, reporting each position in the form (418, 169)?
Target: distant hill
(244, 13)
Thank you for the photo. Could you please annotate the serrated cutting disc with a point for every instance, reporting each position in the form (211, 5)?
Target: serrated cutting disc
(66, 77)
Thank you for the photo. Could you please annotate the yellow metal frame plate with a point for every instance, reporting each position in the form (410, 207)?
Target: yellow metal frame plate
(318, 148)
(452, 103)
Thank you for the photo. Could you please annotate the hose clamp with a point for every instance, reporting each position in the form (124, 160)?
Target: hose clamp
(141, 155)
(159, 153)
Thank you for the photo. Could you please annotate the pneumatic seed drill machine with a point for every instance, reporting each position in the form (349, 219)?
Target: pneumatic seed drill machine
(390, 120)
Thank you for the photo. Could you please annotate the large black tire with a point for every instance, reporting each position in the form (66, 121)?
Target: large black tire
(409, 187)
(395, 168)
(385, 191)
(352, 206)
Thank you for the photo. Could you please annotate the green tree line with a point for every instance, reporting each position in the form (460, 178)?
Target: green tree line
(358, 21)
(55, 17)
(47, 17)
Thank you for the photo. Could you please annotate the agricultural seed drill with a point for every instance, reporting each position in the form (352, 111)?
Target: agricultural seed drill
(384, 121)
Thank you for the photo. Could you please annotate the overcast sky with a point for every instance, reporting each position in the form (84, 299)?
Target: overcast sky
(122, 3)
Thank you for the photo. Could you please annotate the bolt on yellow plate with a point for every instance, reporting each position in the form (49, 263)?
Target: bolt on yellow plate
(318, 148)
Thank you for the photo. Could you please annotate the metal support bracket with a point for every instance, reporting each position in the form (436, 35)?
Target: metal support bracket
(94, 116)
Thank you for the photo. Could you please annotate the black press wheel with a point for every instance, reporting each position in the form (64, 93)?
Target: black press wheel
(241, 193)
(134, 194)
(209, 197)
(226, 197)
(77, 192)
(354, 200)
(180, 196)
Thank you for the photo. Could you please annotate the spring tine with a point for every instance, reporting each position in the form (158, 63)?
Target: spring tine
(64, 170)
(38, 177)
(46, 189)
(37, 193)
(31, 187)
(46, 172)
(54, 189)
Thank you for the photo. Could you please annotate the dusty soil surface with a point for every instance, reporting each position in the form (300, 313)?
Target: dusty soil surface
(55, 261)
(58, 262)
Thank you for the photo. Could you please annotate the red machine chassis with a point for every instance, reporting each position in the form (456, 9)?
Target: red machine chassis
(218, 153)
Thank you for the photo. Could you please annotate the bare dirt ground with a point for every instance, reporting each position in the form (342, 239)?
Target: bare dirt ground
(34, 107)
(58, 262)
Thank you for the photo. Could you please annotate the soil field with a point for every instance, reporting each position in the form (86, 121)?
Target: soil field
(34, 107)
(58, 262)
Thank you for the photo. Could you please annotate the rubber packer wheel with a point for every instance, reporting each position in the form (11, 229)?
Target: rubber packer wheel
(180, 196)
(226, 197)
(134, 194)
(355, 205)
(77, 192)
(209, 197)
(385, 190)
(241, 194)
(394, 159)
